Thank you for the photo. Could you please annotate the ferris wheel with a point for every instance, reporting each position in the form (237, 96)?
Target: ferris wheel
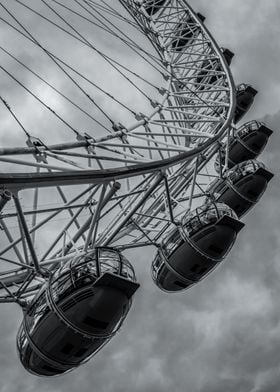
(121, 133)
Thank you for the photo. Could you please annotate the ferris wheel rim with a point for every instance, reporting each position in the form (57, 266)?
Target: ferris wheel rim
(158, 170)
(135, 169)
(19, 181)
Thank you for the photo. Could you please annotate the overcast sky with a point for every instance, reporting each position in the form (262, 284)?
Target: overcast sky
(223, 335)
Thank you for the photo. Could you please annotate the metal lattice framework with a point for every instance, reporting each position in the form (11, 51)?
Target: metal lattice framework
(127, 187)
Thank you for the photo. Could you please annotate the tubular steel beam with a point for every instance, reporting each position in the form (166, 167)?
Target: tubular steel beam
(27, 234)
(86, 225)
(44, 221)
(4, 198)
(132, 212)
(20, 181)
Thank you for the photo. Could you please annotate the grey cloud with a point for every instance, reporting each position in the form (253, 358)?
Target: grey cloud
(223, 334)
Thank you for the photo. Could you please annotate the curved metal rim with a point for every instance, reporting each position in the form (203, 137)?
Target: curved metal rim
(22, 181)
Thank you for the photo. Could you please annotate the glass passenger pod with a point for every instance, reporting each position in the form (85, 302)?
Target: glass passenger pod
(186, 31)
(242, 186)
(78, 311)
(228, 55)
(153, 6)
(247, 143)
(245, 95)
(208, 69)
(190, 251)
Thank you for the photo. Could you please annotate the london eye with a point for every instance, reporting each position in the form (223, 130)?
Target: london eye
(139, 144)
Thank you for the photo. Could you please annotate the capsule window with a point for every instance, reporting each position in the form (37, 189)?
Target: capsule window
(79, 297)
(99, 324)
(67, 348)
(237, 208)
(68, 305)
(194, 268)
(203, 269)
(250, 192)
(204, 233)
(180, 284)
(256, 146)
(51, 369)
(250, 135)
(245, 180)
(215, 249)
(81, 352)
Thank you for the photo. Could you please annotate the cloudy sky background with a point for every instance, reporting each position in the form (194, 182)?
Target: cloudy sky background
(223, 334)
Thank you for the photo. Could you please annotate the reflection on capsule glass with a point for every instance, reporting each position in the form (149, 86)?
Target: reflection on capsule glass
(242, 186)
(76, 312)
(247, 143)
(245, 95)
(191, 250)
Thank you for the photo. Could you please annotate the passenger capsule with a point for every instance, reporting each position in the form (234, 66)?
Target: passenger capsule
(80, 308)
(185, 32)
(190, 251)
(228, 55)
(247, 143)
(210, 68)
(153, 6)
(242, 187)
(245, 96)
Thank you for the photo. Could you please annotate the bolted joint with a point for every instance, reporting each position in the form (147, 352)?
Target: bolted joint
(45, 273)
(156, 34)
(148, 30)
(166, 76)
(121, 130)
(163, 91)
(156, 104)
(5, 196)
(141, 117)
(40, 148)
(86, 137)
(166, 63)
(177, 223)
(23, 303)
(202, 156)
(89, 140)
(118, 127)
(116, 186)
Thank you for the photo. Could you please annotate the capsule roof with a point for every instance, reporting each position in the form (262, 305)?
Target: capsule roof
(208, 213)
(245, 95)
(242, 186)
(246, 87)
(246, 144)
(96, 263)
(201, 17)
(190, 251)
(252, 126)
(228, 55)
(246, 168)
